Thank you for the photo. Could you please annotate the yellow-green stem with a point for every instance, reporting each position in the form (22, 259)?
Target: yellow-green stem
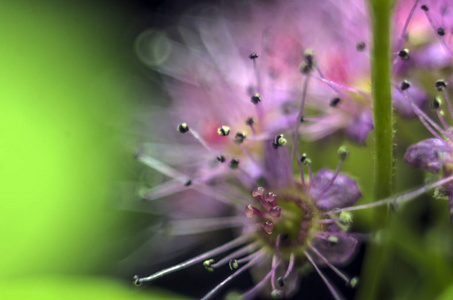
(380, 11)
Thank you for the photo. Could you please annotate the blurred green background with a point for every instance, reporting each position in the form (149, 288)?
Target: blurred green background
(63, 99)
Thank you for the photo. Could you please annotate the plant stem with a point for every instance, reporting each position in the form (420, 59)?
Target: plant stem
(380, 11)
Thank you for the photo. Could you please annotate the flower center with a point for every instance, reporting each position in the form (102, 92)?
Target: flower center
(287, 223)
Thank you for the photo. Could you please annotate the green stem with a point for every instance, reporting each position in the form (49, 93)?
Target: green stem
(383, 127)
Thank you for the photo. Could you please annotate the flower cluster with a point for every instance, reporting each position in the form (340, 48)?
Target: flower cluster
(246, 92)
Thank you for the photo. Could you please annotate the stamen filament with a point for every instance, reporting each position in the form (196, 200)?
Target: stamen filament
(331, 288)
(228, 246)
(450, 109)
(299, 116)
(395, 200)
(403, 32)
(441, 38)
(235, 254)
(332, 267)
(198, 137)
(161, 167)
(253, 291)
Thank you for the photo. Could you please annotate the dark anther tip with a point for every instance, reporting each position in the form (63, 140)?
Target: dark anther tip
(405, 85)
(424, 7)
(334, 102)
(360, 46)
(253, 56)
(183, 128)
(221, 158)
(440, 31)
(188, 182)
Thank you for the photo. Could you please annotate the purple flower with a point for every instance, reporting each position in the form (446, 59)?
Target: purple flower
(297, 225)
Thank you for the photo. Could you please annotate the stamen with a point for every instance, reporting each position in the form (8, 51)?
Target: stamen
(250, 121)
(228, 246)
(282, 280)
(161, 167)
(300, 115)
(232, 276)
(406, 24)
(235, 254)
(253, 57)
(426, 121)
(331, 288)
(440, 32)
(253, 291)
(198, 137)
(436, 105)
(343, 154)
(221, 158)
(395, 200)
(333, 268)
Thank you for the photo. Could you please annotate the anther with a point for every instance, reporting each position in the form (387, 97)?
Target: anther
(281, 281)
(249, 121)
(360, 46)
(307, 161)
(253, 56)
(334, 102)
(441, 85)
(223, 131)
(343, 153)
(277, 294)
(137, 280)
(188, 182)
(256, 98)
(234, 163)
(405, 85)
(404, 54)
(440, 31)
(207, 264)
(268, 226)
(345, 218)
(240, 137)
(233, 263)
(221, 158)
(353, 282)
(183, 128)
(301, 119)
(303, 157)
(436, 103)
(279, 141)
(333, 240)
(424, 7)
(307, 65)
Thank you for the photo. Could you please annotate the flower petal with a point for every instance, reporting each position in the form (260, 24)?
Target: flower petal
(339, 253)
(429, 155)
(342, 193)
(360, 127)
